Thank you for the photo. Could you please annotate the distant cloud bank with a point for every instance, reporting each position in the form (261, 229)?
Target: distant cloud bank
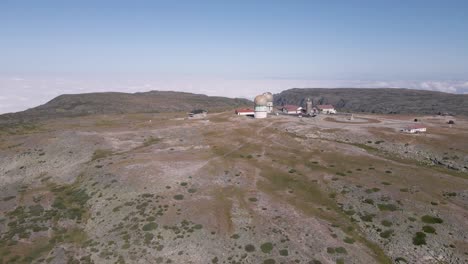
(20, 93)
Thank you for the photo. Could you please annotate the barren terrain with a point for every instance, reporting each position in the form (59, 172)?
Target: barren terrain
(160, 188)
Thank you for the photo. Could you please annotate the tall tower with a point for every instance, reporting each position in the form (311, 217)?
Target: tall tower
(261, 108)
(309, 106)
(269, 98)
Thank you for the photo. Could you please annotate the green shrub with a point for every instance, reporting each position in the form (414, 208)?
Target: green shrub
(269, 261)
(348, 240)
(431, 219)
(266, 247)
(284, 252)
(178, 197)
(341, 250)
(249, 248)
(386, 223)
(367, 217)
(419, 239)
(386, 233)
(428, 229)
(150, 226)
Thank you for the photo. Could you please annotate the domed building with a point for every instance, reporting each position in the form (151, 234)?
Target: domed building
(261, 108)
(269, 97)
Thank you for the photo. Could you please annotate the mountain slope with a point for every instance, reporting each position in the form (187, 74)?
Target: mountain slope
(70, 105)
(385, 101)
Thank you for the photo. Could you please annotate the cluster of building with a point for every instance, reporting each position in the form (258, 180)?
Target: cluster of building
(264, 106)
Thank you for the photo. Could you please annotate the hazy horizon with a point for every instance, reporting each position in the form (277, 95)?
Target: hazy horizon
(236, 49)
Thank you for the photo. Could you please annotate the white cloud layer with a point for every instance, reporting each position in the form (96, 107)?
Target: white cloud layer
(20, 93)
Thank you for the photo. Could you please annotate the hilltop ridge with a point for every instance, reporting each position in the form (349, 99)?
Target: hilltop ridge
(72, 105)
(379, 100)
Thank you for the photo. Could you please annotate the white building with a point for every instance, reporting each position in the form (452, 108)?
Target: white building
(261, 108)
(415, 129)
(326, 109)
(291, 109)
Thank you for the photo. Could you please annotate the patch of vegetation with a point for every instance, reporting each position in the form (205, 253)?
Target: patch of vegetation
(431, 219)
(367, 217)
(178, 197)
(253, 199)
(100, 154)
(404, 190)
(249, 248)
(348, 240)
(419, 239)
(266, 247)
(386, 223)
(292, 171)
(150, 226)
(284, 252)
(151, 141)
(429, 229)
(387, 207)
(341, 250)
(269, 261)
(386, 233)
(450, 194)
(368, 201)
(372, 190)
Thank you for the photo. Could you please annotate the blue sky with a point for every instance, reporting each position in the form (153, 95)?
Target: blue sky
(98, 41)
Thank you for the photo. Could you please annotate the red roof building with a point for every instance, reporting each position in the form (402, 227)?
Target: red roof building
(291, 109)
(245, 111)
(323, 107)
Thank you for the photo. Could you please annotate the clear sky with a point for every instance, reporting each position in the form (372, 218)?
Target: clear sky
(89, 42)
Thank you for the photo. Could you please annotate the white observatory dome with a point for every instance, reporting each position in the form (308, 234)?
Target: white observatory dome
(269, 97)
(260, 100)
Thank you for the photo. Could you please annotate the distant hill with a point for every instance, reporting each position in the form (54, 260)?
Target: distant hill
(379, 100)
(72, 105)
